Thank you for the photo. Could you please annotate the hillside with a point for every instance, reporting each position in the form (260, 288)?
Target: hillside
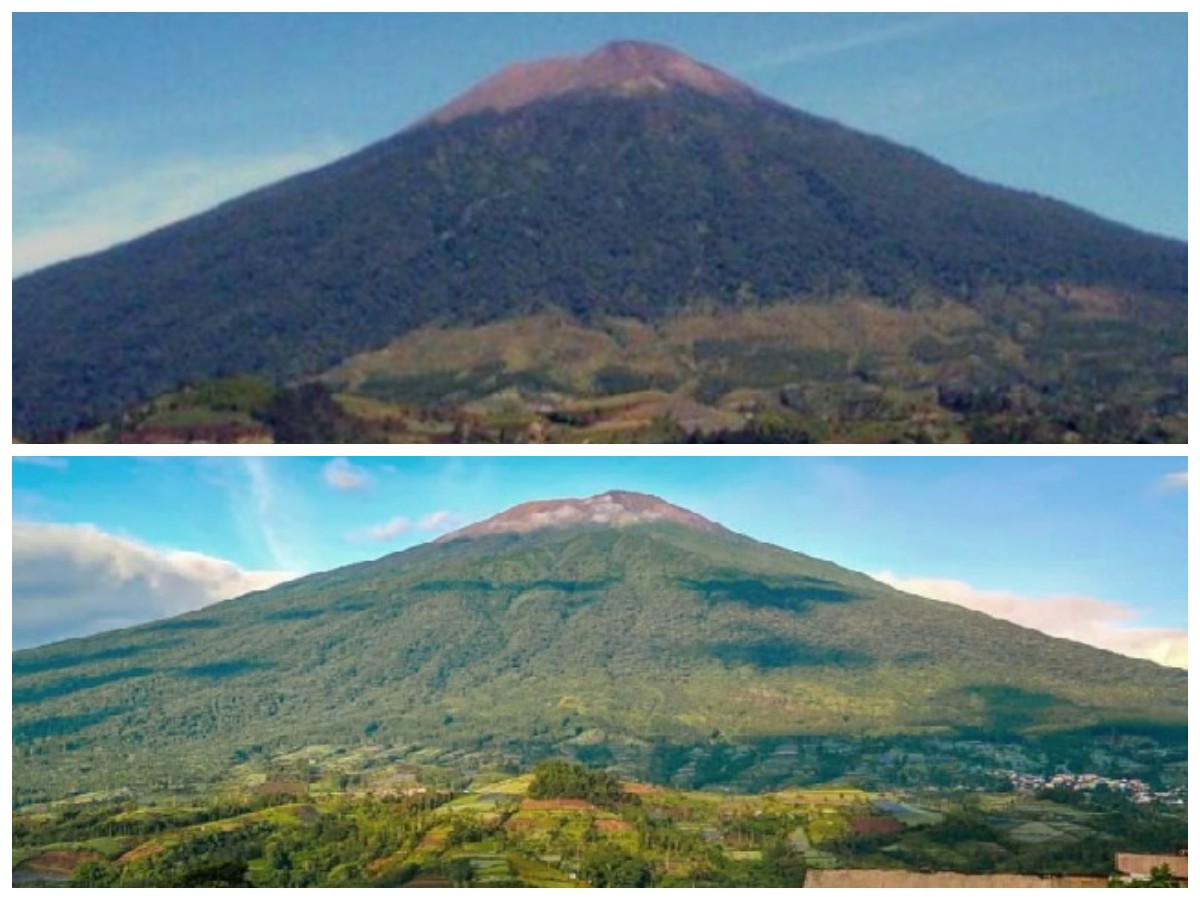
(633, 183)
(629, 635)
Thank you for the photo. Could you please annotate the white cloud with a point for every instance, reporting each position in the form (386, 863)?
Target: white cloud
(75, 580)
(1173, 481)
(385, 531)
(345, 476)
(57, 215)
(398, 526)
(1100, 623)
(442, 520)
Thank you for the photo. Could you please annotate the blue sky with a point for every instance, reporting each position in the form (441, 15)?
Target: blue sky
(992, 533)
(125, 122)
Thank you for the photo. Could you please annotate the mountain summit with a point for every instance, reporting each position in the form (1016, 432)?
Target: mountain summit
(626, 68)
(613, 508)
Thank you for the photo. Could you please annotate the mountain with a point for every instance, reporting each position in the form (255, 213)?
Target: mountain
(631, 184)
(617, 624)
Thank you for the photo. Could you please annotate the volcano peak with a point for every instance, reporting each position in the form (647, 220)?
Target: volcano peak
(614, 508)
(621, 67)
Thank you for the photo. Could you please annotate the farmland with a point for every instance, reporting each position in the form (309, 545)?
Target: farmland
(560, 825)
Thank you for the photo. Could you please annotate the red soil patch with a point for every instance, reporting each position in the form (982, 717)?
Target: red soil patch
(224, 433)
(141, 851)
(876, 825)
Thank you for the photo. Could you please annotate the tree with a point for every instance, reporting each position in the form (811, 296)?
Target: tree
(94, 874)
(1160, 877)
(308, 414)
(607, 865)
(277, 856)
(231, 873)
(461, 872)
(563, 778)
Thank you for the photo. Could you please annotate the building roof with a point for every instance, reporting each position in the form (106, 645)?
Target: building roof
(876, 825)
(899, 878)
(1140, 864)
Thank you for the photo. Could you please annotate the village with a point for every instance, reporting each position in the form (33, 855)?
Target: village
(1134, 789)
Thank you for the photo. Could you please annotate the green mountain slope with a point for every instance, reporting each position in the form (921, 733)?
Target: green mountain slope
(598, 200)
(647, 632)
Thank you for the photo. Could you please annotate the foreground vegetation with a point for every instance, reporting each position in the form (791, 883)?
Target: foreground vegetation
(847, 371)
(561, 825)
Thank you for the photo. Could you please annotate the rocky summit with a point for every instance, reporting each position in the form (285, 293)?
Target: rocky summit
(623, 68)
(613, 508)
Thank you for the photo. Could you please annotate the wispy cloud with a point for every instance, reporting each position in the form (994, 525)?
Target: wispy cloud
(981, 77)
(894, 32)
(43, 166)
(442, 520)
(60, 214)
(1173, 481)
(260, 502)
(75, 580)
(45, 462)
(274, 526)
(385, 531)
(399, 526)
(1100, 623)
(343, 475)
(974, 92)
